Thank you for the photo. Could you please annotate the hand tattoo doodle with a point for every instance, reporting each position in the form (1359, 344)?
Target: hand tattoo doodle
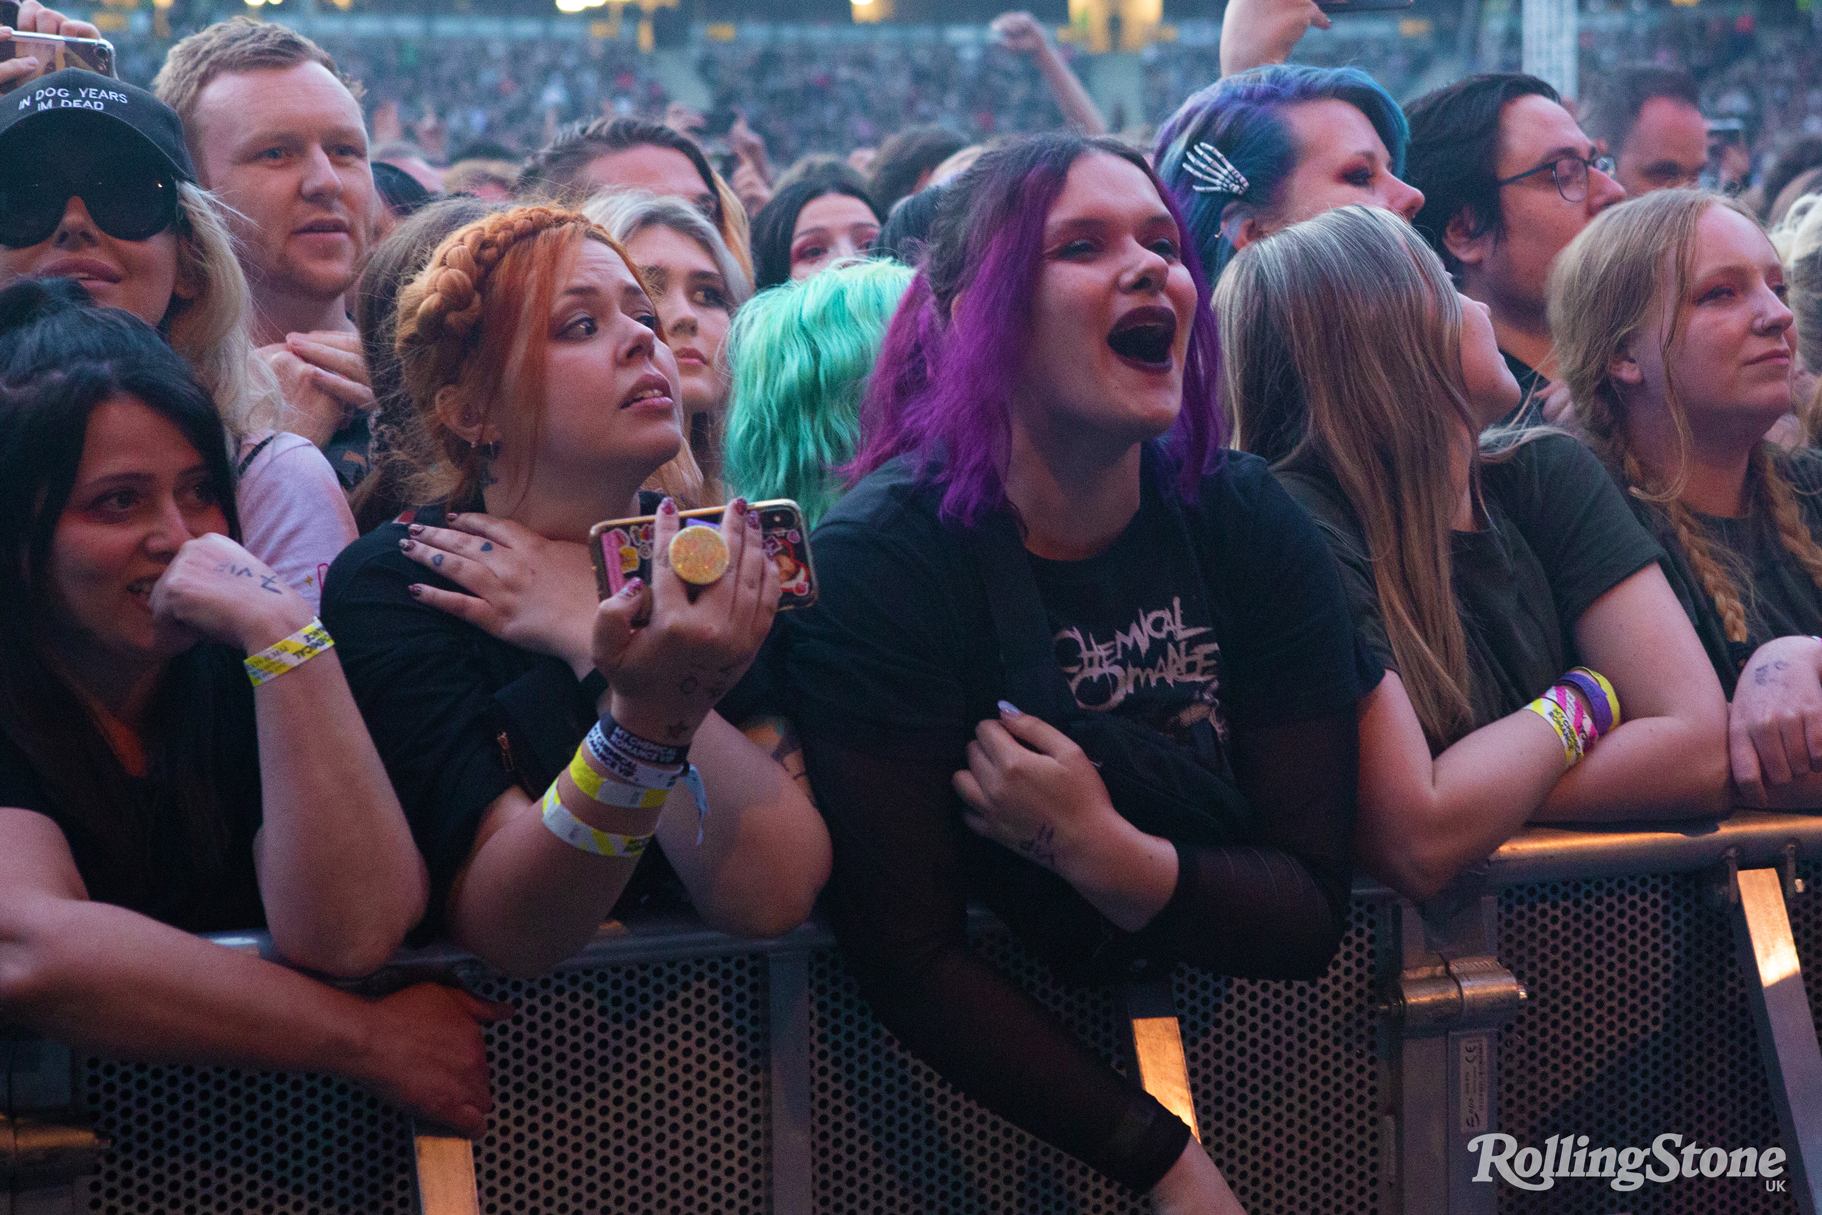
(1763, 676)
(266, 583)
(1041, 847)
(437, 561)
(487, 546)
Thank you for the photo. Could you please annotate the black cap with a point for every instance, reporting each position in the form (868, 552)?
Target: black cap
(76, 95)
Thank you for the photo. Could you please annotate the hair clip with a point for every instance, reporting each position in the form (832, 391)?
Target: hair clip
(1209, 166)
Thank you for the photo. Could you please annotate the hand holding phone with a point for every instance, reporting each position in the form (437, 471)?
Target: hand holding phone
(622, 549)
(25, 57)
(666, 672)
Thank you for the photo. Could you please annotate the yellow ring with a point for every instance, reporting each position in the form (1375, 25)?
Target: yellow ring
(699, 555)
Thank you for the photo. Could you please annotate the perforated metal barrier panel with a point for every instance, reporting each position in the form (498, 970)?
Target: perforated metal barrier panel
(646, 1087)
(1638, 1026)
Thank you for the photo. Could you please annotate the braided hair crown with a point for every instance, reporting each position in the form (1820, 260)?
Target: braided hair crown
(440, 331)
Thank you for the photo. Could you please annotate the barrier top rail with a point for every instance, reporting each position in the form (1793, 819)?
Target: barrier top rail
(1536, 854)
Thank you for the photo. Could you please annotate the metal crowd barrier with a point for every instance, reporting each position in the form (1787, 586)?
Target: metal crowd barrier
(1585, 994)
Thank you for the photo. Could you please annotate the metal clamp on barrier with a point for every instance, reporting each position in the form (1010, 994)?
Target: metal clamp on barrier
(36, 1153)
(1463, 993)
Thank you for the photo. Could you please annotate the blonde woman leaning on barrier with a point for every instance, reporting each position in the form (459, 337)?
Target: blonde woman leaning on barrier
(477, 649)
(1478, 580)
(1676, 346)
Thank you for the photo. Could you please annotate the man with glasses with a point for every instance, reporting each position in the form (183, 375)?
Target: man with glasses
(278, 135)
(1647, 118)
(1509, 179)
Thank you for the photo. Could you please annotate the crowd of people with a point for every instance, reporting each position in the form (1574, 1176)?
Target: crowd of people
(1328, 485)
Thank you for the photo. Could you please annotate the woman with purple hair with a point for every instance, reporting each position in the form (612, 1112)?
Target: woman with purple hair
(1111, 690)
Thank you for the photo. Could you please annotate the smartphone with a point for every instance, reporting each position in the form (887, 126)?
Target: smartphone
(54, 52)
(622, 549)
(1343, 7)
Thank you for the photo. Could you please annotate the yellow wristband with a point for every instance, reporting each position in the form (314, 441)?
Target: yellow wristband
(1553, 713)
(599, 788)
(578, 834)
(293, 651)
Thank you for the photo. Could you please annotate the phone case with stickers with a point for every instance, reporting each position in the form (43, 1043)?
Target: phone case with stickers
(622, 549)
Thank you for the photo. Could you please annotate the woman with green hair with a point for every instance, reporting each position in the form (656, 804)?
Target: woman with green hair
(799, 356)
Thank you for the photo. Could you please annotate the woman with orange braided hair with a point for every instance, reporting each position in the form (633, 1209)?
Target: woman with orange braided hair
(532, 733)
(1675, 343)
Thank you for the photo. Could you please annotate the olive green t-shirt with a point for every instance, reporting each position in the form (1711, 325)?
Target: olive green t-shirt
(1558, 536)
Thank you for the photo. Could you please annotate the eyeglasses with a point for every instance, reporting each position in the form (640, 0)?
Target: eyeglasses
(131, 202)
(1570, 172)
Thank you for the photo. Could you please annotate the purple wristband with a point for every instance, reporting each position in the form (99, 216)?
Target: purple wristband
(1597, 700)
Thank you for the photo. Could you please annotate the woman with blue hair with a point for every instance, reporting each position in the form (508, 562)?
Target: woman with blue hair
(1257, 152)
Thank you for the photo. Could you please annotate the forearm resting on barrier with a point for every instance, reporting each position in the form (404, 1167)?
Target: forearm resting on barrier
(526, 900)
(104, 979)
(340, 876)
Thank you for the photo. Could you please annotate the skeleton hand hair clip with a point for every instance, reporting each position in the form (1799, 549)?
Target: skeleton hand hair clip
(1213, 172)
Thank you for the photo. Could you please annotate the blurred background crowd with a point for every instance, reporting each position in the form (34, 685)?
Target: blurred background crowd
(507, 80)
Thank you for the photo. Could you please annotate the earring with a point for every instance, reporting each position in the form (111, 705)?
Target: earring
(487, 451)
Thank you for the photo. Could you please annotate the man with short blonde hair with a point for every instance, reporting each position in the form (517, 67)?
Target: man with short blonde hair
(277, 133)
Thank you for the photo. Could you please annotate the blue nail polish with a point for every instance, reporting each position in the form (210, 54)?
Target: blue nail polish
(1008, 709)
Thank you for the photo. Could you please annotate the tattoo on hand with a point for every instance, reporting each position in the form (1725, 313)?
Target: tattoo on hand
(1041, 847)
(437, 561)
(1764, 676)
(487, 546)
(688, 686)
(676, 729)
(266, 582)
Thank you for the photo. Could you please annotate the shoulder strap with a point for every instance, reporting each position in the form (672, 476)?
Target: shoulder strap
(1034, 682)
(246, 461)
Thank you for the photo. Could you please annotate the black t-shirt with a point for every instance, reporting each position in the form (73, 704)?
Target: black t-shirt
(1780, 597)
(915, 669)
(1532, 385)
(892, 670)
(169, 886)
(1558, 537)
(458, 716)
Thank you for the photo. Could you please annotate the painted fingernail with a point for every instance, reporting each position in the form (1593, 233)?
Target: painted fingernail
(416, 529)
(416, 589)
(1008, 709)
(453, 515)
(405, 545)
(753, 520)
(667, 507)
(633, 586)
(739, 505)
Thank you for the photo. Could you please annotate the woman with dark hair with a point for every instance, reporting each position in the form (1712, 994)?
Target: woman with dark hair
(615, 153)
(1259, 151)
(1111, 691)
(179, 752)
(809, 225)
